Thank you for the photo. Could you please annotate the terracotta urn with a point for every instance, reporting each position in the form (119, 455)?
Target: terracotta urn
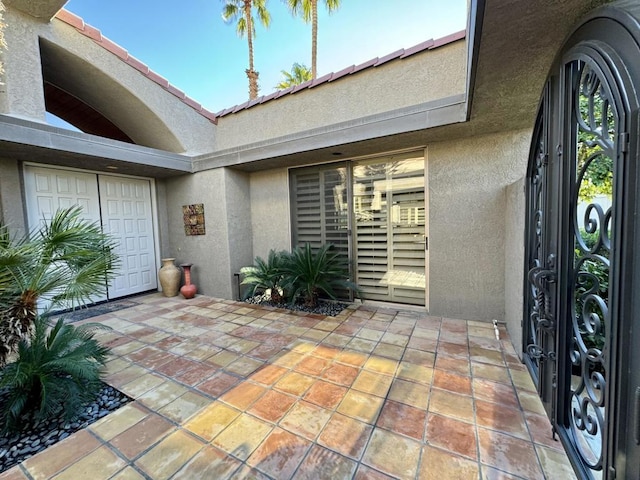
(188, 290)
(169, 277)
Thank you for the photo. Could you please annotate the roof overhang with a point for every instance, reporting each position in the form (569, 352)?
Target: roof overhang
(45, 9)
(36, 142)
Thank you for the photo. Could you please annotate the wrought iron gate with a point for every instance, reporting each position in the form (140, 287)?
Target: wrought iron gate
(582, 237)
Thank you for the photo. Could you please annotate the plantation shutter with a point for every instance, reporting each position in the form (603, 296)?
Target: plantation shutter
(320, 208)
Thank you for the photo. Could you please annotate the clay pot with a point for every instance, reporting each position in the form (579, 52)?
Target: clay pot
(169, 277)
(188, 290)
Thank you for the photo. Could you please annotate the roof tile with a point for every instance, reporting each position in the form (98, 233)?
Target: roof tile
(71, 18)
(92, 33)
(137, 64)
(342, 73)
(322, 79)
(388, 58)
(364, 65)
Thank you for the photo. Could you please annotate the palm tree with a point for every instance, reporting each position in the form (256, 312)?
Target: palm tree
(309, 11)
(66, 261)
(299, 74)
(242, 11)
(3, 43)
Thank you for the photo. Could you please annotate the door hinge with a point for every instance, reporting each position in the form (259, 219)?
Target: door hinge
(624, 142)
(426, 243)
(612, 473)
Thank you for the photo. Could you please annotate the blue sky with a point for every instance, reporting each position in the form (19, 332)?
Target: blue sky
(189, 44)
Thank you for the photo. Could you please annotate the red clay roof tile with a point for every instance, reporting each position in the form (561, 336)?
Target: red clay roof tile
(388, 58)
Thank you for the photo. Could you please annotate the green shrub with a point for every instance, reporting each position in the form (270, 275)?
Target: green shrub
(64, 262)
(56, 371)
(265, 275)
(307, 274)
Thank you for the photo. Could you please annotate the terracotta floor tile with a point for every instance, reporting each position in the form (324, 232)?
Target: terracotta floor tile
(197, 374)
(490, 372)
(218, 384)
(423, 344)
(324, 351)
(388, 351)
(176, 366)
(212, 420)
(485, 355)
(208, 463)
(325, 394)
(272, 406)
(418, 357)
(410, 393)
(452, 435)
(367, 473)
(353, 358)
(415, 373)
(223, 358)
(244, 366)
(501, 418)
(61, 455)
(311, 365)
(243, 395)
(127, 375)
(362, 345)
(306, 419)
(289, 359)
(403, 419)
(495, 392)
(370, 334)
(142, 385)
(540, 429)
(453, 349)
(100, 464)
(166, 458)
(371, 382)
(162, 395)
(508, 454)
(531, 402)
(119, 421)
(451, 404)
(141, 436)
(439, 464)
(268, 374)
(324, 464)
(128, 473)
(522, 380)
(184, 407)
(392, 454)
(340, 374)
(361, 406)
(381, 365)
(337, 340)
(459, 365)
(294, 383)
(279, 454)
(555, 463)
(395, 339)
(242, 436)
(452, 382)
(346, 436)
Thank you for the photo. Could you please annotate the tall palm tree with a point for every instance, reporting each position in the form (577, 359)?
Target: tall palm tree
(3, 44)
(309, 11)
(66, 261)
(298, 74)
(242, 11)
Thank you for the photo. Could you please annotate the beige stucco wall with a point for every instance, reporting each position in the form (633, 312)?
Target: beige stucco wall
(270, 211)
(149, 114)
(468, 182)
(427, 76)
(226, 246)
(11, 206)
(514, 261)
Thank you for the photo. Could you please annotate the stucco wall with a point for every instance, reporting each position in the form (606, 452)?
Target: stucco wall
(468, 182)
(427, 76)
(514, 261)
(11, 206)
(226, 246)
(149, 114)
(270, 211)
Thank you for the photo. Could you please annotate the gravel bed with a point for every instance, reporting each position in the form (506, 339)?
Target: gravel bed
(16, 447)
(324, 307)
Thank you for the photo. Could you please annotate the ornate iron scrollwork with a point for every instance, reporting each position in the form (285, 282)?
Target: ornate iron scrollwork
(541, 316)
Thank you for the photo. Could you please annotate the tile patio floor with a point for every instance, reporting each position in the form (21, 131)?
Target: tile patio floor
(226, 390)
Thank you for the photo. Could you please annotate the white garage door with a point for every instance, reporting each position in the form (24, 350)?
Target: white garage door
(122, 205)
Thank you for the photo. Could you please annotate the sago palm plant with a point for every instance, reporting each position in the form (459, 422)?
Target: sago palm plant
(265, 275)
(64, 263)
(56, 370)
(307, 274)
